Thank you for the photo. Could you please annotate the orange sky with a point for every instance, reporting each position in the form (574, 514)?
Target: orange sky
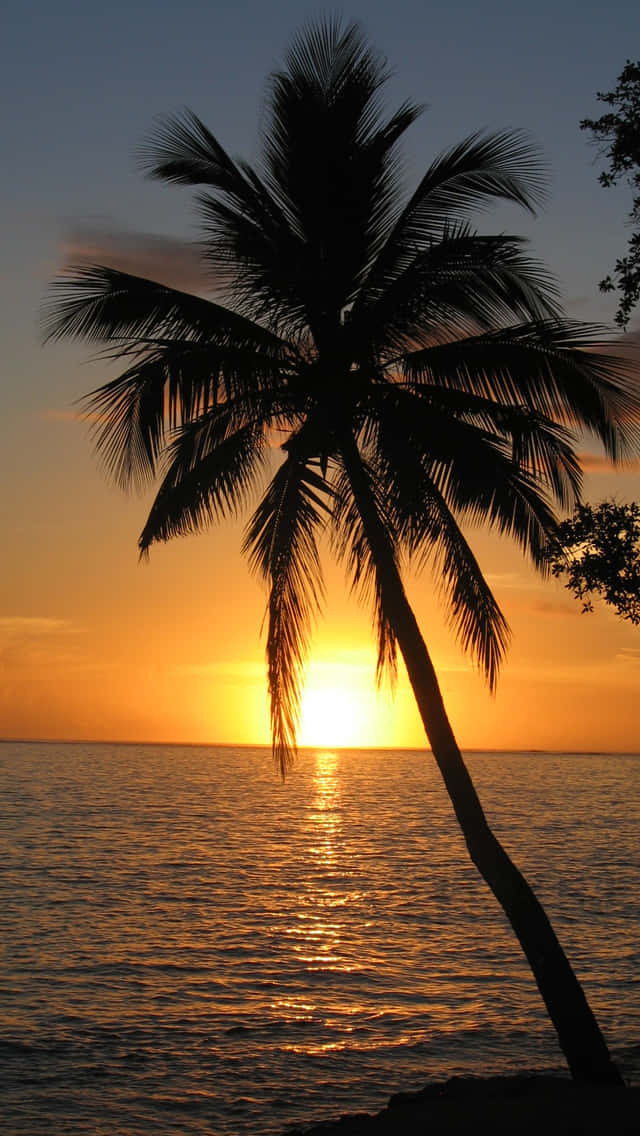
(94, 644)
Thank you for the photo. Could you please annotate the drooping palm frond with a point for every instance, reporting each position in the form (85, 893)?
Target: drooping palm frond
(281, 541)
(545, 451)
(472, 467)
(350, 537)
(426, 416)
(486, 487)
(459, 285)
(213, 465)
(427, 530)
(470, 606)
(186, 355)
(557, 367)
(172, 383)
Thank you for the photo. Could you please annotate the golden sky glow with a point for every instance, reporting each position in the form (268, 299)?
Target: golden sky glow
(94, 644)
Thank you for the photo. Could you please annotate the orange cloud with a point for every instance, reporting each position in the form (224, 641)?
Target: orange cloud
(599, 463)
(33, 625)
(165, 259)
(556, 607)
(55, 415)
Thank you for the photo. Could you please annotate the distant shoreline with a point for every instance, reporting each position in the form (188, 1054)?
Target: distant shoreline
(470, 750)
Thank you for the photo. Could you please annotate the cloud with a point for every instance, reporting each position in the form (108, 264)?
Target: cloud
(630, 656)
(508, 580)
(61, 415)
(225, 670)
(34, 625)
(39, 647)
(168, 260)
(556, 607)
(599, 463)
(56, 415)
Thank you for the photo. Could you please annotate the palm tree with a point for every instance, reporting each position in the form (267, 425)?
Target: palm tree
(418, 375)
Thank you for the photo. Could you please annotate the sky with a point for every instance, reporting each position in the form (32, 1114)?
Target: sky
(94, 644)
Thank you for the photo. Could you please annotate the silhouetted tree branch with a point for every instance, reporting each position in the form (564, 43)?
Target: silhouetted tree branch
(618, 133)
(598, 550)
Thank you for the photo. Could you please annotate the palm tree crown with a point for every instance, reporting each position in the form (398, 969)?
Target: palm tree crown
(399, 356)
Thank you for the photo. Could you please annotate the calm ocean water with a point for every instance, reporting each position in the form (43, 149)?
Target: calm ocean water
(192, 947)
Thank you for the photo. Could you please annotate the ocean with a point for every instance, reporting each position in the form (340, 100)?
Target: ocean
(191, 946)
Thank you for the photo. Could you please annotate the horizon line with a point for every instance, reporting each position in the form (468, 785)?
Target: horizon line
(306, 748)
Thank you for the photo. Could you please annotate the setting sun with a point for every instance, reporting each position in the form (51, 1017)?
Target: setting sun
(341, 707)
(331, 717)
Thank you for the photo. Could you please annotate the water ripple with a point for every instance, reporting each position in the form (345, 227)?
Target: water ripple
(191, 946)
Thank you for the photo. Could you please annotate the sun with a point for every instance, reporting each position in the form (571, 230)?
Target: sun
(332, 716)
(342, 708)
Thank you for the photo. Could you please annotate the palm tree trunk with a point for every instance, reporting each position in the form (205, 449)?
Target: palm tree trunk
(578, 1032)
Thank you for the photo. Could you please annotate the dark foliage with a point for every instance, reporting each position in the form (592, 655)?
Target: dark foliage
(598, 551)
(617, 134)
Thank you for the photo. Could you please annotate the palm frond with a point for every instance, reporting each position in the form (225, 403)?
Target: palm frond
(213, 466)
(352, 544)
(486, 487)
(173, 383)
(473, 468)
(459, 285)
(282, 547)
(427, 416)
(557, 367)
(471, 608)
(103, 305)
(486, 166)
(263, 265)
(251, 243)
(186, 354)
(482, 168)
(430, 533)
(182, 150)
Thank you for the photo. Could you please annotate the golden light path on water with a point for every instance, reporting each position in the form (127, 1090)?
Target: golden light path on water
(321, 935)
(322, 938)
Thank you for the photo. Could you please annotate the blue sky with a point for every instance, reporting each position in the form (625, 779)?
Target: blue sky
(83, 82)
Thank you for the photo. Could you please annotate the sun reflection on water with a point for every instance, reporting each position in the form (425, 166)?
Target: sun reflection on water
(320, 929)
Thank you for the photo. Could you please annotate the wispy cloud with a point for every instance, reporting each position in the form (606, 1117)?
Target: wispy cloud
(556, 607)
(225, 670)
(599, 463)
(35, 647)
(56, 415)
(168, 260)
(509, 580)
(35, 625)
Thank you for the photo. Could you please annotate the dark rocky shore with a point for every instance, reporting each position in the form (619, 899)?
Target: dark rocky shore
(519, 1106)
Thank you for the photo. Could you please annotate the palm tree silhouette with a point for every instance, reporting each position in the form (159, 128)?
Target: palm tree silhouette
(418, 374)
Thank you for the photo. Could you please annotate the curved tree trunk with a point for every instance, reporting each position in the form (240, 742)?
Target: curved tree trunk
(578, 1032)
